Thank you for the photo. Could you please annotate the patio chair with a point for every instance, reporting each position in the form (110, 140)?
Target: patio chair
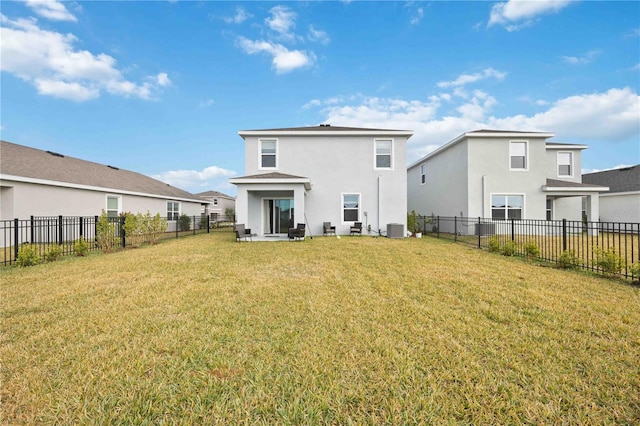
(297, 233)
(242, 233)
(356, 228)
(328, 229)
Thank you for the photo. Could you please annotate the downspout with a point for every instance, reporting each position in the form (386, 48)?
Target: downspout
(484, 195)
(379, 204)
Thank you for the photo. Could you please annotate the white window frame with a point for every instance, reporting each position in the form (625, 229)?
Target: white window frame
(178, 213)
(349, 222)
(570, 175)
(549, 208)
(375, 153)
(506, 211)
(526, 156)
(106, 203)
(423, 173)
(260, 154)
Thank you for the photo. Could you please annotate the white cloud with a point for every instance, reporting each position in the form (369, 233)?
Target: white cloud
(517, 14)
(318, 35)
(633, 33)
(282, 21)
(584, 59)
(240, 16)
(465, 79)
(51, 9)
(212, 177)
(417, 16)
(284, 60)
(49, 61)
(206, 104)
(610, 116)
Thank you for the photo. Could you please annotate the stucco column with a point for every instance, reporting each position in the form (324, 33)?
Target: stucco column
(298, 204)
(593, 212)
(242, 205)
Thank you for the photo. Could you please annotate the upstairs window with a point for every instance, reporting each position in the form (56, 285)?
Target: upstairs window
(384, 153)
(350, 207)
(518, 155)
(507, 207)
(423, 174)
(215, 201)
(268, 153)
(173, 210)
(565, 164)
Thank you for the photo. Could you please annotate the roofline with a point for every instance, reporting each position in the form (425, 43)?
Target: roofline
(363, 132)
(612, 194)
(547, 188)
(560, 146)
(239, 180)
(484, 134)
(48, 182)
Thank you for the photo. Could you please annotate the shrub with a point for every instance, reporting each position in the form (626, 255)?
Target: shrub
(54, 253)
(568, 260)
(494, 244)
(607, 260)
(531, 249)
(184, 223)
(28, 255)
(634, 270)
(509, 248)
(203, 222)
(134, 228)
(154, 227)
(105, 232)
(81, 247)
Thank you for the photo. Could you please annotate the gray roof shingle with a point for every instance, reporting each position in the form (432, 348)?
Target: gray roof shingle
(23, 161)
(626, 179)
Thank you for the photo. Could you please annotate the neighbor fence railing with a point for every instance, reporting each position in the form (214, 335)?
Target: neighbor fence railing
(610, 248)
(44, 232)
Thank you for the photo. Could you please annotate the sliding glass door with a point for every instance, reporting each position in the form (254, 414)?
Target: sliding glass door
(279, 215)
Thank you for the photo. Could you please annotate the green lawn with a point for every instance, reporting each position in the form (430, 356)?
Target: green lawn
(203, 330)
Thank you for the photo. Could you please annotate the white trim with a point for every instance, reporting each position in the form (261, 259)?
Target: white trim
(173, 211)
(506, 194)
(342, 221)
(613, 194)
(260, 166)
(578, 189)
(551, 145)
(571, 168)
(375, 153)
(526, 155)
(106, 203)
(286, 181)
(93, 188)
(425, 173)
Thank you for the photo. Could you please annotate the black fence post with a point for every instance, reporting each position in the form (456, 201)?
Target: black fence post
(123, 237)
(455, 228)
(513, 229)
(438, 225)
(193, 223)
(479, 232)
(564, 234)
(95, 228)
(208, 223)
(16, 238)
(81, 227)
(60, 230)
(33, 236)
(177, 224)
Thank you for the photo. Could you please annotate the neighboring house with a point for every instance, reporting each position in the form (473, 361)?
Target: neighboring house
(322, 174)
(622, 202)
(44, 183)
(217, 204)
(502, 174)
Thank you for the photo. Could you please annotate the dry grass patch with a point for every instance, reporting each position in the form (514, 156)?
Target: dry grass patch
(363, 330)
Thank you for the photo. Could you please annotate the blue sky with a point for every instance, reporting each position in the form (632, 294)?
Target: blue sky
(163, 87)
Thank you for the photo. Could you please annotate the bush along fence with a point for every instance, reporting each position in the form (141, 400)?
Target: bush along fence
(607, 248)
(47, 238)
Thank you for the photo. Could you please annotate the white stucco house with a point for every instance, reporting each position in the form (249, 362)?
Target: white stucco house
(622, 202)
(217, 204)
(322, 174)
(502, 174)
(34, 182)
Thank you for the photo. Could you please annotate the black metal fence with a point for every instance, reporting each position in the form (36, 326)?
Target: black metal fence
(603, 247)
(45, 233)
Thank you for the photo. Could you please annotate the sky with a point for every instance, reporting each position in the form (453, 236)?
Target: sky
(164, 87)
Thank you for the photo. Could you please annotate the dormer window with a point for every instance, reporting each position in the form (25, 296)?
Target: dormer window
(268, 153)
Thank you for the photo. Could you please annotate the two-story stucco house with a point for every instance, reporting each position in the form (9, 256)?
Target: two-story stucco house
(501, 175)
(218, 205)
(322, 174)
